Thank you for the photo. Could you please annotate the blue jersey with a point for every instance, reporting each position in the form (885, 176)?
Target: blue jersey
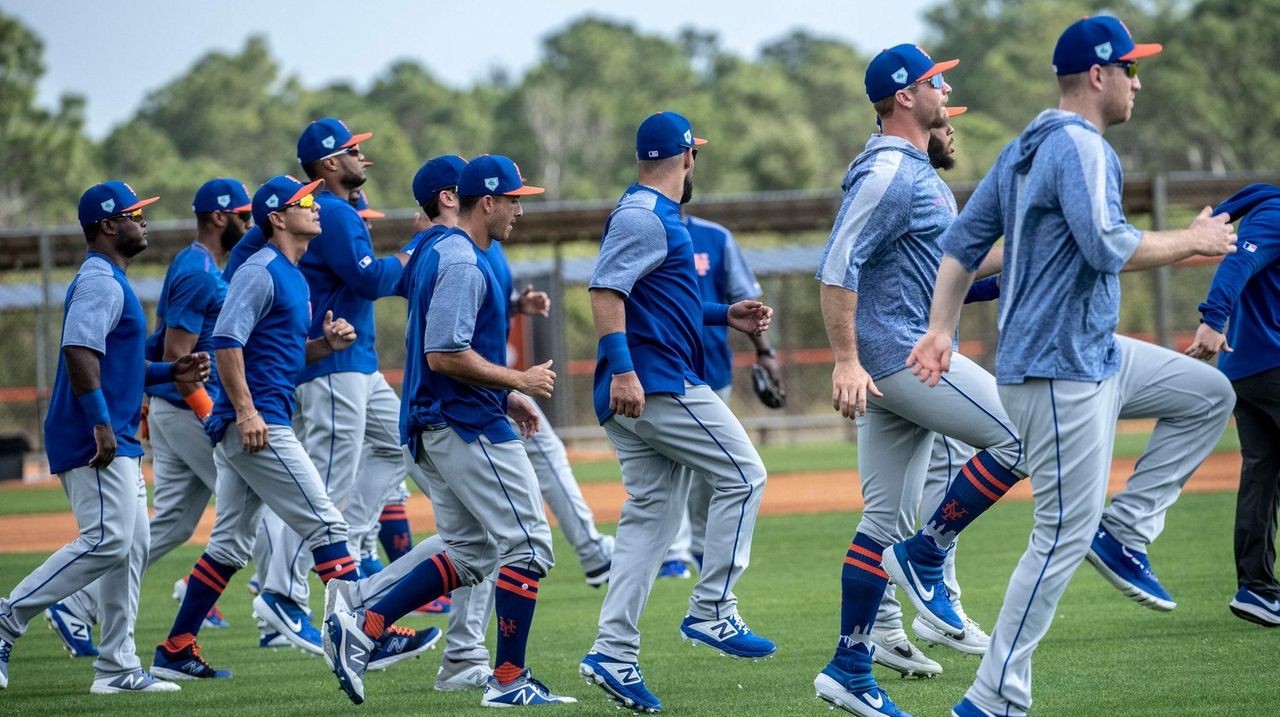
(501, 270)
(456, 305)
(101, 313)
(251, 243)
(190, 299)
(1245, 295)
(1054, 194)
(646, 255)
(424, 238)
(346, 278)
(266, 314)
(884, 246)
(723, 277)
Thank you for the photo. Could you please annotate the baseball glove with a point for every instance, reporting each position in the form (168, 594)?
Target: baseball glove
(770, 393)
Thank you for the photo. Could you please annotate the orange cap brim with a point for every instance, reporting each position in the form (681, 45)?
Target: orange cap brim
(525, 191)
(357, 139)
(306, 189)
(938, 68)
(246, 208)
(1140, 51)
(371, 214)
(956, 111)
(698, 141)
(141, 203)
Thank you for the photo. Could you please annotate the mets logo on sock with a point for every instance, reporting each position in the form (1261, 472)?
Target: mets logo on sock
(507, 626)
(952, 511)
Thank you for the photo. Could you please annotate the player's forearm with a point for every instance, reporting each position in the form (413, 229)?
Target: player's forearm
(83, 368)
(179, 343)
(839, 308)
(761, 343)
(470, 367)
(317, 349)
(1157, 249)
(231, 373)
(992, 263)
(608, 311)
(949, 290)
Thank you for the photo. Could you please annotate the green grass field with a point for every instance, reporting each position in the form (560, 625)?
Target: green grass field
(1103, 656)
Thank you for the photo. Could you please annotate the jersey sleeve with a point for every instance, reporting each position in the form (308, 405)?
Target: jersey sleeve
(740, 281)
(248, 300)
(1089, 184)
(978, 226)
(1257, 246)
(634, 245)
(455, 303)
(875, 211)
(93, 312)
(189, 298)
(348, 252)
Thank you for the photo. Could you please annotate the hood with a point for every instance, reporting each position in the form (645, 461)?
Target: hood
(1245, 200)
(1039, 130)
(877, 144)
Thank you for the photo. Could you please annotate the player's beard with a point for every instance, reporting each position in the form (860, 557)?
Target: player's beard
(687, 193)
(231, 235)
(351, 181)
(938, 155)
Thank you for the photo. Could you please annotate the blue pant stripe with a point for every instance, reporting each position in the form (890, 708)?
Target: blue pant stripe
(305, 497)
(982, 408)
(528, 539)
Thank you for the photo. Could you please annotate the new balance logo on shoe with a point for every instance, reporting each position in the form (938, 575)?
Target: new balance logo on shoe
(132, 681)
(622, 672)
(396, 644)
(723, 630)
(80, 631)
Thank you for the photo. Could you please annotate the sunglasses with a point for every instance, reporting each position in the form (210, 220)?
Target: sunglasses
(246, 217)
(306, 202)
(936, 82)
(133, 216)
(354, 151)
(695, 152)
(1130, 68)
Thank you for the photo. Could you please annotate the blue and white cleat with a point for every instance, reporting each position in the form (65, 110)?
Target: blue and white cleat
(1129, 571)
(965, 708)
(76, 634)
(1248, 605)
(674, 569)
(271, 640)
(136, 681)
(524, 691)
(620, 680)
(284, 616)
(254, 587)
(923, 585)
(401, 643)
(185, 665)
(6, 647)
(730, 635)
(859, 695)
(370, 565)
(347, 649)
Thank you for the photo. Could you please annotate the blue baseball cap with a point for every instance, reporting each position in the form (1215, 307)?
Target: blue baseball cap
(109, 199)
(665, 134)
(493, 174)
(438, 174)
(1102, 40)
(221, 195)
(325, 138)
(900, 67)
(277, 193)
(362, 207)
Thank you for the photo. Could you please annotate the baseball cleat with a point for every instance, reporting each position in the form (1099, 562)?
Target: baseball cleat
(136, 681)
(674, 569)
(895, 651)
(347, 648)
(922, 583)
(254, 587)
(965, 708)
(283, 615)
(370, 565)
(442, 605)
(621, 681)
(76, 634)
(1129, 571)
(401, 643)
(730, 635)
(599, 576)
(974, 641)
(6, 647)
(1249, 605)
(859, 695)
(271, 639)
(186, 664)
(524, 691)
(459, 676)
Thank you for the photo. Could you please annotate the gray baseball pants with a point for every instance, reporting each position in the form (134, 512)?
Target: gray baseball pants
(689, 539)
(1069, 429)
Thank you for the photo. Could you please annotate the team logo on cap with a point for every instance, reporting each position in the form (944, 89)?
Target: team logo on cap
(491, 183)
(108, 205)
(1103, 51)
(900, 76)
(224, 200)
(272, 201)
(653, 153)
(688, 136)
(327, 142)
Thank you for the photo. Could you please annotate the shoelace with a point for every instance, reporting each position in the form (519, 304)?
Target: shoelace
(400, 631)
(738, 623)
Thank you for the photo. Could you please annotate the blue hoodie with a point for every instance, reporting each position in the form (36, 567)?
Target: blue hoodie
(1245, 295)
(1054, 194)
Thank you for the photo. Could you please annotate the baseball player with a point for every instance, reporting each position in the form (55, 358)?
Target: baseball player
(876, 276)
(663, 420)
(260, 461)
(181, 456)
(723, 276)
(1063, 376)
(481, 482)
(91, 445)
(1245, 301)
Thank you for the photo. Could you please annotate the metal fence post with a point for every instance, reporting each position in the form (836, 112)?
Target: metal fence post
(562, 397)
(43, 321)
(1160, 277)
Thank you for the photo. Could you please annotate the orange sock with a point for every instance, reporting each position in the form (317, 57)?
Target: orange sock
(374, 624)
(178, 643)
(507, 673)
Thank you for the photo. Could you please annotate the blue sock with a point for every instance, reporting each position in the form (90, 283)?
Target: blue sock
(333, 561)
(394, 532)
(514, 600)
(979, 484)
(862, 584)
(205, 584)
(427, 581)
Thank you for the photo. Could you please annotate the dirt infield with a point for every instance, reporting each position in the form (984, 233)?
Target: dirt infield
(787, 494)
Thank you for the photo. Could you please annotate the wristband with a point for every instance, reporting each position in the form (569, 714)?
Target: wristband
(200, 403)
(766, 353)
(614, 348)
(159, 372)
(95, 406)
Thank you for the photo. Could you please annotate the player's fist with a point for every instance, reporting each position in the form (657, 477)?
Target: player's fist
(105, 439)
(253, 432)
(523, 413)
(626, 395)
(750, 317)
(1214, 235)
(534, 303)
(1207, 344)
(931, 357)
(192, 368)
(338, 333)
(850, 387)
(538, 380)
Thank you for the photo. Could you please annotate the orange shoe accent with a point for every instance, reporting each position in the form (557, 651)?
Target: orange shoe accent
(507, 673)
(373, 624)
(179, 642)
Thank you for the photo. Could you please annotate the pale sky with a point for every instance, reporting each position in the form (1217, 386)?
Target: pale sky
(152, 41)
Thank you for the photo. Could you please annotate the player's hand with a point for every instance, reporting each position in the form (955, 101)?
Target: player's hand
(534, 303)
(192, 368)
(750, 317)
(253, 432)
(538, 380)
(526, 418)
(931, 357)
(626, 395)
(1214, 235)
(105, 438)
(850, 385)
(338, 333)
(1207, 344)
